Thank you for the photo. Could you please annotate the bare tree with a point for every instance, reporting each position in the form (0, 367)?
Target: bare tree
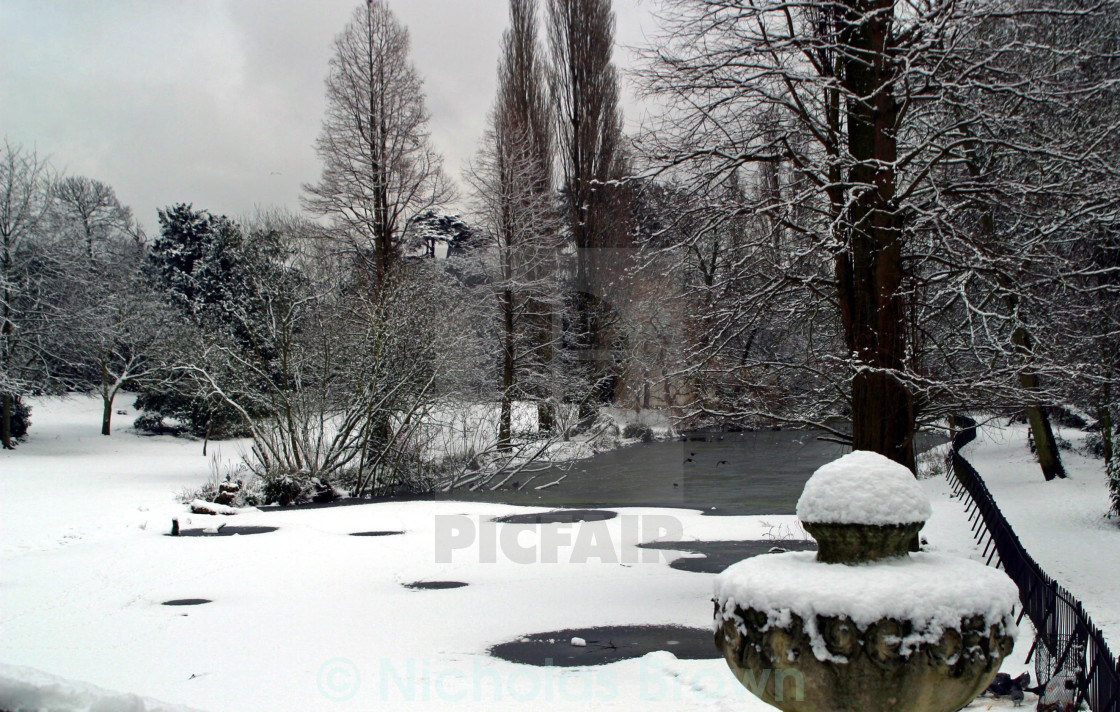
(1033, 194)
(24, 200)
(856, 122)
(379, 169)
(522, 109)
(90, 211)
(823, 71)
(107, 326)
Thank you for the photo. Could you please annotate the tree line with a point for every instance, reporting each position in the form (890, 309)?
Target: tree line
(860, 215)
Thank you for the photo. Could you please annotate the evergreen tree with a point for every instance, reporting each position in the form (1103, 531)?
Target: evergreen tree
(195, 263)
(199, 264)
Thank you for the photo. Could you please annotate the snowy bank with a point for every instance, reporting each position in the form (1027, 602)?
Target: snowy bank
(24, 689)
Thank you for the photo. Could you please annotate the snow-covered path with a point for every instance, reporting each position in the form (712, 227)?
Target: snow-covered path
(1061, 523)
(309, 617)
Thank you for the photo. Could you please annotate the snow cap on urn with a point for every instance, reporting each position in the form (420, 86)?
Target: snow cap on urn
(863, 487)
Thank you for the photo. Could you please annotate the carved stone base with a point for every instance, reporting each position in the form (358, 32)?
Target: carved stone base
(864, 670)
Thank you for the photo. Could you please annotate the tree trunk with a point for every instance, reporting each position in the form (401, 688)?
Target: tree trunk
(546, 419)
(107, 397)
(505, 426)
(6, 421)
(1046, 446)
(1104, 417)
(870, 272)
(106, 413)
(542, 322)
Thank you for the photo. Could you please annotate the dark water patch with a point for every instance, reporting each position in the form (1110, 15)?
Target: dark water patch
(759, 472)
(377, 533)
(434, 585)
(718, 555)
(607, 644)
(226, 530)
(559, 516)
(717, 472)
(186, 602)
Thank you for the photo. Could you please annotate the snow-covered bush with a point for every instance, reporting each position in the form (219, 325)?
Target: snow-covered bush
(1094, 445)
(247, 489)
(153, 423)
(934, 462)
(1104, 448)
(288, 489)
(170, 408)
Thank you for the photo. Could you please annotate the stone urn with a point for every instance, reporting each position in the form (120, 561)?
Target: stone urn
(863, 625)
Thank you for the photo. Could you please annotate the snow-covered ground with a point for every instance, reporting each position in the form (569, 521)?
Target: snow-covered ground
(308, 617)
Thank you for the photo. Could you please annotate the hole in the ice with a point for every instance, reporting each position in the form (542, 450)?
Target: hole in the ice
(718, 555)
(434, 585)
(606, 645)
(376, 533)
(559, 516)
(186, 602)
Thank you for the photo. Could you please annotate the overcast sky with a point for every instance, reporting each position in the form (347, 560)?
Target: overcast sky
(218, 102)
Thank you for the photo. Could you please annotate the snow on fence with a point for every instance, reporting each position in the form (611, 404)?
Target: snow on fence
(1068, 647)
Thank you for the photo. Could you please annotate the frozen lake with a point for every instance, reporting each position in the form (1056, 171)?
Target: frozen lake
(760, 472)
(725, 473)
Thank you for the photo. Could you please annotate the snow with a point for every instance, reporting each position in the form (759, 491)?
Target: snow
(200, 506)
(23, 688)
(863, 488)
(933, 591)
(68, 484)
(308, 617)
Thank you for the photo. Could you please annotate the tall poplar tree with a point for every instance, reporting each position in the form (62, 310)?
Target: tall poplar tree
(585, 94)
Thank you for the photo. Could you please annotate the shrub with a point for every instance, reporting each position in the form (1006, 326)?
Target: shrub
(639, 431)
(154, 424)
(934, 462)
(249, 491)
(192, 415)
(21, 418)
(285, 489)
(298, 488)
(1094, 445)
